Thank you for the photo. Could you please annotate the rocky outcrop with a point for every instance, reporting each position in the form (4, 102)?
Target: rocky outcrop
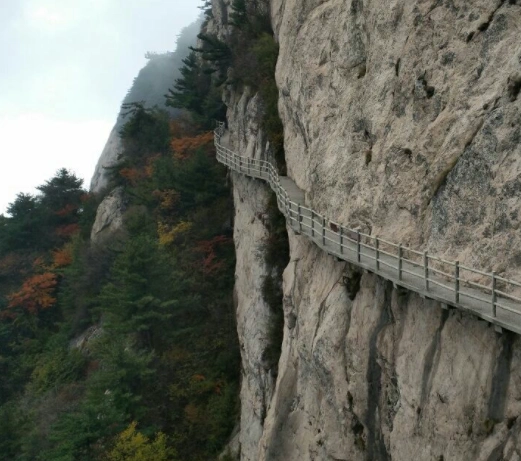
(108, 158)
(403, 119)
(109, 217)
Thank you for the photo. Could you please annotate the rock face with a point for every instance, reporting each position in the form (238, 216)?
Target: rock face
(108, 158)
(109, 217)
(250, 235)
(406, 120)
(403, 118)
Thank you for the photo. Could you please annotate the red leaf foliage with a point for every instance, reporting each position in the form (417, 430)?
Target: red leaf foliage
(210, 263)
(36, 293)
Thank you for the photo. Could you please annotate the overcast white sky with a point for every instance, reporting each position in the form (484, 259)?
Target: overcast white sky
(65, 67)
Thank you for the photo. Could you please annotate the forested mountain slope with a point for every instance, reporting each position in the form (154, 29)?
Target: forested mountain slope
(126, 348)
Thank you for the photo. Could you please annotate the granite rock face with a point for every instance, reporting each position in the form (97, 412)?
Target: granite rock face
(403, 118)
(108, 158)
(387, 374)
(109, 217)
(250, 235)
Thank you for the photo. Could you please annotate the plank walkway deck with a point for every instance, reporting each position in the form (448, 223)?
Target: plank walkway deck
(482, 294)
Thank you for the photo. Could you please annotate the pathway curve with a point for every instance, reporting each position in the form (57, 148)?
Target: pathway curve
(485, 295)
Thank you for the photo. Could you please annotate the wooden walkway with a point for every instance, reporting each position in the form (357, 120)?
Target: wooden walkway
(486, 295)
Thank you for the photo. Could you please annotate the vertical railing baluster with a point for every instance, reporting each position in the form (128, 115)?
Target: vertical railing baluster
(426, 269)
(323, 231)
(341, 239)
(299, 217)
(358, 246)
(377, 252)
(312, 224)
(456, 281)
(494, 295)
(400, 261)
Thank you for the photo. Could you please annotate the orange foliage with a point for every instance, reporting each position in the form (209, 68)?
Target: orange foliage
(132, 175)
(210, 264)
(62, 257)
(149, 168)
(36, 293)
(183, 147)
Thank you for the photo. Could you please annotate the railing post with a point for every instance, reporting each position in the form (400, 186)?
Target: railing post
(341, 232)
(299, 217)
(249, 166)
(400, 261)
(426, 270)
(377, 252)
(456, 281)
(358, 246)
(494, 295)
(312, 224)
(323, 231)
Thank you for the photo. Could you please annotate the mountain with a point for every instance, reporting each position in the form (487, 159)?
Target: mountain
(150, 87)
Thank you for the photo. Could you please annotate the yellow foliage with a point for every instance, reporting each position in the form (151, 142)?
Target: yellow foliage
(168, 199)
(168, 236)
(132, 445)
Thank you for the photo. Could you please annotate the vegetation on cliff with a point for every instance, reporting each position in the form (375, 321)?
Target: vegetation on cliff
(158, 376)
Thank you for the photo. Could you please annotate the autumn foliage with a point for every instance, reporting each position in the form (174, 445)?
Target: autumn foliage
(37, 293)
(209, 262)
(62, 257)
(132, 175)
(184, 146)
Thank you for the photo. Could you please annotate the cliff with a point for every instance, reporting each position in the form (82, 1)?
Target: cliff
(403, 120)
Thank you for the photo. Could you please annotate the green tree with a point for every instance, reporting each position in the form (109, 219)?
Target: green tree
(22, 229)
(137, 300)
(146, 132)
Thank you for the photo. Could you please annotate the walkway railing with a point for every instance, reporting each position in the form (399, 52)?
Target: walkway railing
(485, 294)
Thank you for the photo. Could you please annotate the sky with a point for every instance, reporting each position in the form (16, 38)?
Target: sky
(65, 67)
